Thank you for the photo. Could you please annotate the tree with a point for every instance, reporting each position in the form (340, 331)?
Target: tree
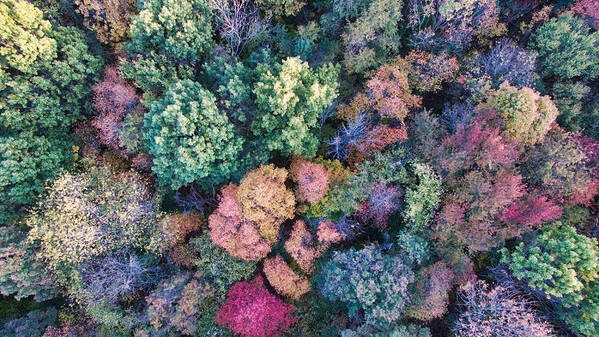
(182, 304)
(26, 163)
(371, 32)
(391, 94)
(265, 201)
(528, 115)
(558, 262)
(482, 183)
(24, 37)
(382, 201)
(366, 330)
(34, 324)
(430, 71)
(109, 19)
(328, 233)
(91, 214)
(21, 274)
(561, 169)
(251, 311)
(311, 178)
(114, 277)
(451, 25)
(413, 248)
(283, 279)
(280, 8)
(569, 97)
(217, 266)
(422, 200)
(505, 61)
(290, 98)
(59, 94)
(563, 266)
(230, 230)
(431, 292)
(368, 281)
(190, 139)
(567, 48)
(238, 22)
(168, 38)
(114, 99)
(496, 312)
(301, 247)
(589, 10)
(38, 105)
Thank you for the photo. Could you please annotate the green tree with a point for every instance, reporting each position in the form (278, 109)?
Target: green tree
(190, 139)
(528, 115)
(367, 280)
(560, 168)
(38, 103)
(24, 40)
(58, 95)
(218, 266)
(373, 34)
(280, 8)
(564, 266)
(168, 38)
(567, 47)
(290, 98)
(423, 199)
(26, 163)
(568, 98)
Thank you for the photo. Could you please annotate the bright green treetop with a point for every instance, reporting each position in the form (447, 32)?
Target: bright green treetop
(290, 99)
(559, 262)
(190, 139)
(24, 40)
(567, 47)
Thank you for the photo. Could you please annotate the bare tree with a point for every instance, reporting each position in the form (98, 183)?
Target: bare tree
(238, 22)
(119, 274)
(357, 132)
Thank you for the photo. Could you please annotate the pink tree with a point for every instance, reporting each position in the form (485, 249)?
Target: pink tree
(231, 231)
(251, 311)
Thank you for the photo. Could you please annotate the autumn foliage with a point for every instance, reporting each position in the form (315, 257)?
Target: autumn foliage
(285, 281)
(230, 230)
(265, 201)
(110, 19)
(391, 94)
(432, 288)
(301, 247)
(589, 9)
(496, 311)
(251, 311)
(311, 178)
(328, 233)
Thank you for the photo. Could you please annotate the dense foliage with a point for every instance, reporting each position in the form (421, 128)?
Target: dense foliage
(354, 168)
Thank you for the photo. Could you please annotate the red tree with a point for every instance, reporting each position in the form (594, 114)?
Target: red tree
(251, 311)
(488, 202)
(328, 234)
(391, 94)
